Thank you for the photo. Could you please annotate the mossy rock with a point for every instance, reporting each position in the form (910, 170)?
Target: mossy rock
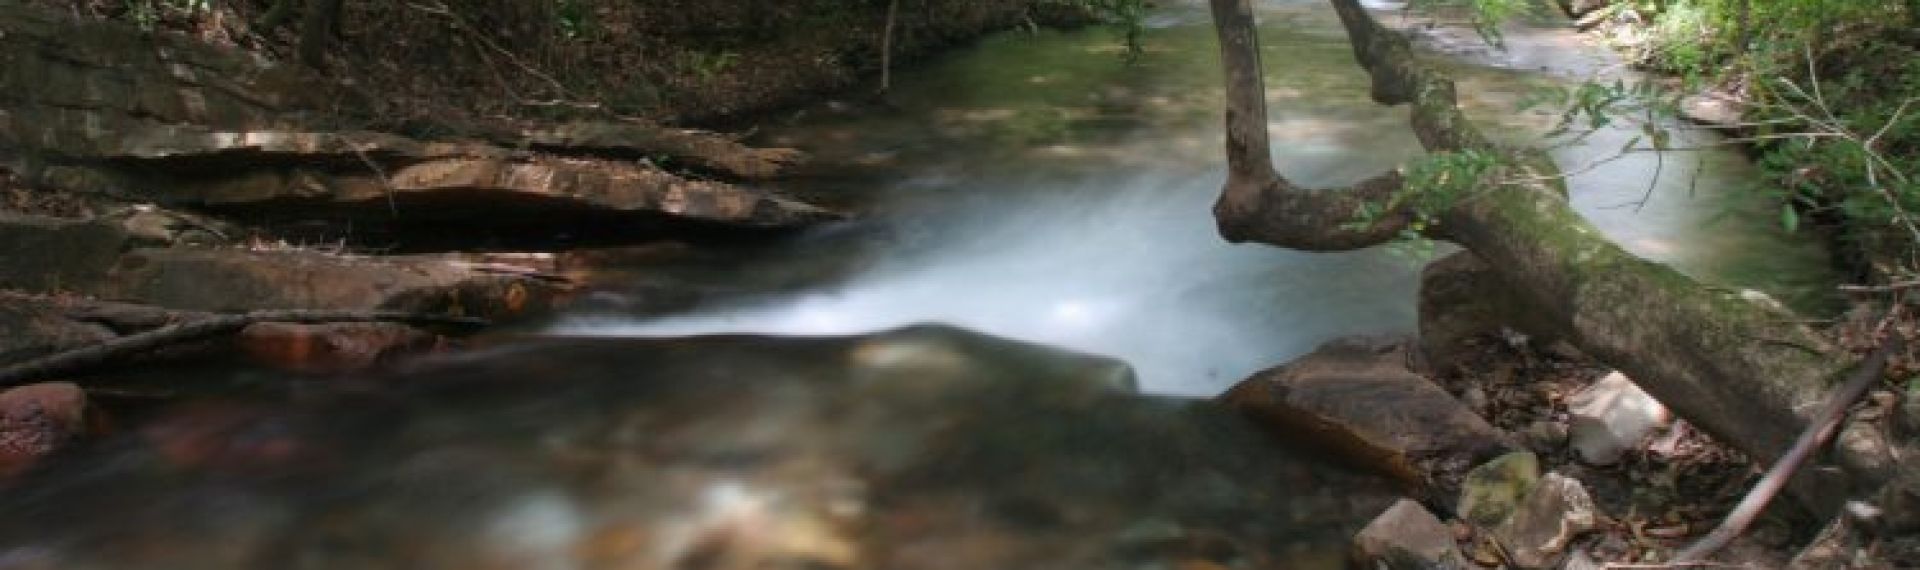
(1494, 490)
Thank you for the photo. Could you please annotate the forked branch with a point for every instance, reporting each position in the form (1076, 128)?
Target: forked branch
(1258, 204)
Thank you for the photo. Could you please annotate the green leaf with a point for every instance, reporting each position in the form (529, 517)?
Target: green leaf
(1789, 218)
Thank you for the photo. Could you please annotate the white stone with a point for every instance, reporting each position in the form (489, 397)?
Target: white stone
(1611, 417)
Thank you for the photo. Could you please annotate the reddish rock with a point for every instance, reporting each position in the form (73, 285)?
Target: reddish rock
(333, 347)
(1356, 398)
(37, 420)
(233, 437)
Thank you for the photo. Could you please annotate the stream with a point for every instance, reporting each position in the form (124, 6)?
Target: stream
(1037, 187)
(990, 369)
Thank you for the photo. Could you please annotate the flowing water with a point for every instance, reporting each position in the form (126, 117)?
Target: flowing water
(1037, 187)
(1033, 187)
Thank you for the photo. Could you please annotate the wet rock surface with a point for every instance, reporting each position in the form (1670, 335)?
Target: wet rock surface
(37, 420)
(1356, 397)
(335, 347)
(919, 448)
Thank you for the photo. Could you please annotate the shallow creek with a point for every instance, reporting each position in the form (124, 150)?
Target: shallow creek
(1032, 187)
(1037, 187)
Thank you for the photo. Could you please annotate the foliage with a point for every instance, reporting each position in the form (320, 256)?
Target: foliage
(706, 65)
(1434, 184)
(1129, 15)
(1831, 87)
(148, 14)
(573, 19)
(1486, 16)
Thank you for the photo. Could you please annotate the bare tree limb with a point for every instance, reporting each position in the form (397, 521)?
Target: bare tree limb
(69, 361)
(1258, 204)
(1825, 423)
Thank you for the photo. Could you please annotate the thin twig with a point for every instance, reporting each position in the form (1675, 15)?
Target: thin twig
(441, 9)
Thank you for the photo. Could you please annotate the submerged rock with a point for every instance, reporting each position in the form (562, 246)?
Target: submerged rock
(333, 347)
(923, 448)
(1356, 397)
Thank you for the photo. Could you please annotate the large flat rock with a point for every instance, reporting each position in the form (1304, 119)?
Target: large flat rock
(241, 280)
(1356, 397)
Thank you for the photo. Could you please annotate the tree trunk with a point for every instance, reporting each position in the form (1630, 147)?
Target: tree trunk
(1743, 372)
(317, 28)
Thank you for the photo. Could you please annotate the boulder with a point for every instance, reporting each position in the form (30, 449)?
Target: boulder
(1356, 397)
(1714, 109)
(333, 347)
(39, 253)
(1462, 298)
(37, 420)
(1494, 490)
(218, 280)
(1611, 417)
(1554, 512)
(1407, 537)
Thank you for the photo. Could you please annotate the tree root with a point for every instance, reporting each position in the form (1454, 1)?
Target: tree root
(69, 361)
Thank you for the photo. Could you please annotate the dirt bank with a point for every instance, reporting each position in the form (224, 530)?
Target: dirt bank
(673, 61)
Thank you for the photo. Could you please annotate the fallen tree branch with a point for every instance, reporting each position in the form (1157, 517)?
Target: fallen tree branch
(1687, 343)
(69, 361)
(1825, 423)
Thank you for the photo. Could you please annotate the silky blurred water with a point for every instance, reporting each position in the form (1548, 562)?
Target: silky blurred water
(1036, 186)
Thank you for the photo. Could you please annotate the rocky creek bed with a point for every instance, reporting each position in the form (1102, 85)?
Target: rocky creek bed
(153, 181)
